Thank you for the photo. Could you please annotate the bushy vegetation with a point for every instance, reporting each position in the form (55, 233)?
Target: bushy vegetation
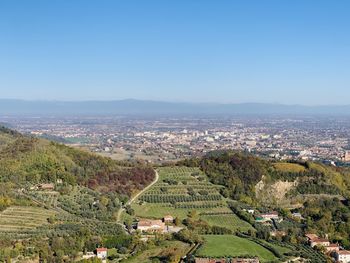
(240, 172)
(30, 160)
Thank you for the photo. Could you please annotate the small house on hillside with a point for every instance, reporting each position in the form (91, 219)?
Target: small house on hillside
(332, 248)
(147, 225)
(168, 219)
(342, 256)
(102, 253)
(269, 216)
(311, 236)
(315, 240)
(320, 242)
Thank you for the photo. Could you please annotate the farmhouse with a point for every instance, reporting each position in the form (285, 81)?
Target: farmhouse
(320, 242)
(101, 253)
(151, 225)
(168, 219)
(342, 256)
(311, 236)
(332, 248)
(269, 216)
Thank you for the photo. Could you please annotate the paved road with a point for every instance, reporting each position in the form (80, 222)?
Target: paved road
(137, 195)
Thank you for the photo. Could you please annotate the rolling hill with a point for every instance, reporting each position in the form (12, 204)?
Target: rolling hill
(50, 193)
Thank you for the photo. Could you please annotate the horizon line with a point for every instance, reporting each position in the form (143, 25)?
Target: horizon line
(173, 102)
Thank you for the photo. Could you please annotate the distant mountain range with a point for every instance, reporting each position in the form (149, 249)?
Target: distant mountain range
(146, 107)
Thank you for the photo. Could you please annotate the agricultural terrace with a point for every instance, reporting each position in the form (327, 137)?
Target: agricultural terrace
(49, 198)
(178, 191)
(23, 219)
(233, 246)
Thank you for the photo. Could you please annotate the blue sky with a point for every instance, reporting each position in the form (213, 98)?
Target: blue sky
(180, 50)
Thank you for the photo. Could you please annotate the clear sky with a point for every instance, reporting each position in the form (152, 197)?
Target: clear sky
(176, 50)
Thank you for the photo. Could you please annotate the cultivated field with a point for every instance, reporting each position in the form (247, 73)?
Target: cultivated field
(178, 191)
(23, 219)
(49, 198)
(230, 221)
(233, 246)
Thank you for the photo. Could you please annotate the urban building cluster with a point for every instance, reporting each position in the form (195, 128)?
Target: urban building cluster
(158, 139)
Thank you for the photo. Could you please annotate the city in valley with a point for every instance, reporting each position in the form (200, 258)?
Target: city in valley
(175, 131)
(159, 139)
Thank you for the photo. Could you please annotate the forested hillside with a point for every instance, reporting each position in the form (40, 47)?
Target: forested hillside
(27, 160)
(244, 175)
(318, 192)
(60, 201)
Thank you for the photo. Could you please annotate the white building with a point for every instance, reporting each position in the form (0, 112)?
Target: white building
(320, 242)
(151, 226)
(102, 253)
(342, 256)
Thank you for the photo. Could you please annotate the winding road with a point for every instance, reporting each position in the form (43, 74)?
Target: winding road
(137, 196)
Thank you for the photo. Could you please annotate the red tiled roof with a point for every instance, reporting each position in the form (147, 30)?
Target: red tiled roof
(333, 245)
(311, 236)
(320, 240)
(150, 223)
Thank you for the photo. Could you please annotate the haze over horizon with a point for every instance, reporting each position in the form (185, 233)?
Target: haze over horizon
(182, 51)
(168, 102)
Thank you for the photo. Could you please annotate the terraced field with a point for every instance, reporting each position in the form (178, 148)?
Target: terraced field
(48, 198)
(178, 191)
(18, 219)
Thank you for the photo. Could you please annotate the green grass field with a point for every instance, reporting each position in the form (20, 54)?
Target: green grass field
(233, 246)
(159, 210)
(230, 221)
(18, 219)
(289, 167)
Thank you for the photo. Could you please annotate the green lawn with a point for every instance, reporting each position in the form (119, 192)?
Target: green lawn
(289, 167)
(230, 221)
(280, 249)
(233, 246)
(160, 210)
